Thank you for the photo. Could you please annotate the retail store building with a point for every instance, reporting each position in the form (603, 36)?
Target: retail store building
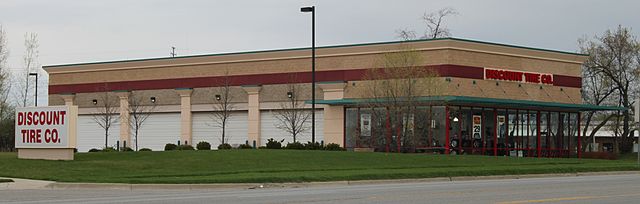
(494, 99)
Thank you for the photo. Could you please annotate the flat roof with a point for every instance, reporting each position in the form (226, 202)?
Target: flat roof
(319, 47)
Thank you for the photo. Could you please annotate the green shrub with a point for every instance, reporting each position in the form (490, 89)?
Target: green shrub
(274, 144)
(313, 146)
(245, 146)
(224, 146)
(203, 146)
(144, 150)
(170, 147)
(126, 149)
(94, 150)
(185, 147)
(333, 147)
(295, 145)
(109, 149)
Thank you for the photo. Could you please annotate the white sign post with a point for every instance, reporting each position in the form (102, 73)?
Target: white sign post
(46, 132)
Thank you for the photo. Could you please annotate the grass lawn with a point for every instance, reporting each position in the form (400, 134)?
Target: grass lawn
(238, 166)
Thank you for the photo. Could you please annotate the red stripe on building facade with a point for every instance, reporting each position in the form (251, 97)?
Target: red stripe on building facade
(279, 78)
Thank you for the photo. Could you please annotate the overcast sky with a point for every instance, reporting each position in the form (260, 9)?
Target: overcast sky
(85, 31)
(73, 31)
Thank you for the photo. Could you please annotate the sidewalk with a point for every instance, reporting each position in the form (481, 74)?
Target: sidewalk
(20, 184)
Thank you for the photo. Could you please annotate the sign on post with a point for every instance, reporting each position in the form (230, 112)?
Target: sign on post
(46, 132)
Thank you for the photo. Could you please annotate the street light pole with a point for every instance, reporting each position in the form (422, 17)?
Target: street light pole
(36, 95)
(312, 9)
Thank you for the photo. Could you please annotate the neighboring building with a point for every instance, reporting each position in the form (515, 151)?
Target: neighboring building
(604, 139)
(494, 99)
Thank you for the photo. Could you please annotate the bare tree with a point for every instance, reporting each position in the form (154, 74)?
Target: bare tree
(434, 23)
(396, 86)
(139, 110)
(223, 106)
(615, 57)
(6, 109)
(4, 74)
(30, 65)
(106, 113)
(293, 118)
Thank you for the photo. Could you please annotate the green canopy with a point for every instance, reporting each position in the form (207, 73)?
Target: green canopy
(478, 101)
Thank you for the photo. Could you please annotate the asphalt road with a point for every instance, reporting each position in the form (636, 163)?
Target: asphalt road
(583, 189)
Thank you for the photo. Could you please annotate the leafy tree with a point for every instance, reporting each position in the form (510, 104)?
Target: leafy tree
(614, 58)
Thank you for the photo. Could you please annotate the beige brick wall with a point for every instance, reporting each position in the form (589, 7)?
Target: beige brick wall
(340, 58)
(355, 57)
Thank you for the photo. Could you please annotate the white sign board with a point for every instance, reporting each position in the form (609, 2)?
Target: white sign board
(477, 127)
(365, 124)
(45, 127)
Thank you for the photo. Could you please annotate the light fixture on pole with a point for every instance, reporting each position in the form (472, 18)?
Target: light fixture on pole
(36, 95)
(312, 9)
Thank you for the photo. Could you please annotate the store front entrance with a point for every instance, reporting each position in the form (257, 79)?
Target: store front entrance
(464, 130)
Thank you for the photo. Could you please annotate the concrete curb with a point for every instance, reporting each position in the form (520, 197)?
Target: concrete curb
(20, 184)
(34, 184)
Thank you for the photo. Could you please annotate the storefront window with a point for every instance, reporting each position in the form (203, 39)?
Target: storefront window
(502, 132)
(351, 124)
(438, 128)
(523, 130)
(378, 128)
(573, 133)
(456, 120)
(533, 134)
(466, 120)
(553, 134)
(512, 136)
(563, 133)
(544, 131)
(488, 131)
(472, 130)
(474, 137)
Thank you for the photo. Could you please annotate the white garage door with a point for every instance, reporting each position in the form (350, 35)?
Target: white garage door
(206, 129)
(91, 135)
(158, 130)
(269, 123)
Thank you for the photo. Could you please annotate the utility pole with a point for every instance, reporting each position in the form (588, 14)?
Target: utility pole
(173, 51)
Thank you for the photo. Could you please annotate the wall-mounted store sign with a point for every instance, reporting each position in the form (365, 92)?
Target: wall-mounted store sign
(518, 76)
